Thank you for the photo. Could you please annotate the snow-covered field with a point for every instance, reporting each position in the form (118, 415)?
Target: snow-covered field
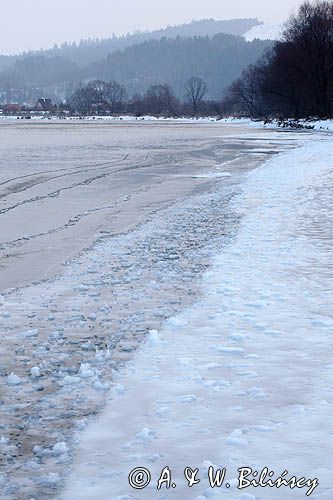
(244, 377)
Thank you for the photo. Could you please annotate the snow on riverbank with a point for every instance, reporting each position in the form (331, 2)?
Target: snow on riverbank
(245, 376)
(320, 124)
(314, 124)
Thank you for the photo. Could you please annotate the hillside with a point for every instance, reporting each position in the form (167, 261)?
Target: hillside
(218, 58)
(91, 50)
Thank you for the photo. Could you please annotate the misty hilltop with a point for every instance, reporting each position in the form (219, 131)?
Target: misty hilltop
(213, 50)
(91, 50)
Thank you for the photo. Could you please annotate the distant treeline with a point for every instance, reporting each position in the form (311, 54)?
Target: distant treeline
(92, 50)
(89, 51)
(218, 59)
(101, 97)
(295, 77)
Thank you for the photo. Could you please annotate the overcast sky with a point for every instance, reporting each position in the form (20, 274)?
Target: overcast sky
(34, 24)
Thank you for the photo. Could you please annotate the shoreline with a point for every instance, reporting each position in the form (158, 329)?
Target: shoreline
(72, 333)
(275, 123)
(220, 385)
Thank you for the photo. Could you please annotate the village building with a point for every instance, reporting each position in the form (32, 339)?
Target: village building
(44, 105)
(12, 108)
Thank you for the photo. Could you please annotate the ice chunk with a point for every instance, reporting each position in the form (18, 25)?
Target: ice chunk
(154, 337)
(29, 334)
(188, 398)
(119, 389)
(59, 449)
(86, 371)
(13, 379)
(51, 479)
(68, 380)
(32, 465)
(103, 355)
(88, 346)
(35, 372)
(99, 386)
(146, 434)
(237, 438)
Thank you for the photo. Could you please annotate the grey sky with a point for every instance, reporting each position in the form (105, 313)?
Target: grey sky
(33, 24)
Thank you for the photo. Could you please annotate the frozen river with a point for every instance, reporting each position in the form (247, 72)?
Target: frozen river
(106, 231)
(63, 185)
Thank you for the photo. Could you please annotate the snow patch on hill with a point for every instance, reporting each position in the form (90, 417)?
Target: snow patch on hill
(268, 31)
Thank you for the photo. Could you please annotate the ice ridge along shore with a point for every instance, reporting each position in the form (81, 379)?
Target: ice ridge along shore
(244, 377)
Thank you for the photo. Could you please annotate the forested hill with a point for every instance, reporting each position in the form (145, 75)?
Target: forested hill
(89, 51)
(217, 60)
(7, 61)
(92, 50)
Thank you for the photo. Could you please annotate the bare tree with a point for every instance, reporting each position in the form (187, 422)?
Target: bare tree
(84, 99)
(99, 96)
(98, 90)
(195, 91)
(160, 99)
(246, 93)
(115, 95)
(99, 87)
(309, 35)
(136, 105)
(295, 79)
